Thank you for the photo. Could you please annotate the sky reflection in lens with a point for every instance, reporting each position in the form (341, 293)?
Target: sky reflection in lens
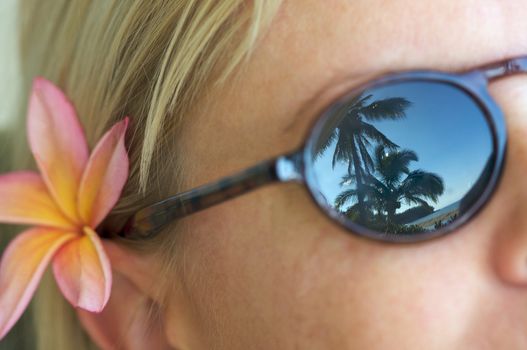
(430, 127)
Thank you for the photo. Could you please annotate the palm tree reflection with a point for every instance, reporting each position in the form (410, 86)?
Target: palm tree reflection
(385, 192)
(379, 188)
(354, 136)
(378, 180)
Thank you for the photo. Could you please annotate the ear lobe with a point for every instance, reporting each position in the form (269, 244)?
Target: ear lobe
(129, 320)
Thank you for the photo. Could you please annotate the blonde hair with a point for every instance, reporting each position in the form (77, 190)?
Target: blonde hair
(150, 59)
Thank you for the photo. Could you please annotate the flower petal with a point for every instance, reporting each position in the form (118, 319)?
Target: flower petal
(104, 177)
(58, 143)
(83, 273)
(23, 263)
(26, 200)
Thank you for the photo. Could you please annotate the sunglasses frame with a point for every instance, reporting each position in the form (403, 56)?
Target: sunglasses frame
(296, 166)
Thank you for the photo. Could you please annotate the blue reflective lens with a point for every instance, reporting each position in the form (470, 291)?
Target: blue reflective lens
(403, 158)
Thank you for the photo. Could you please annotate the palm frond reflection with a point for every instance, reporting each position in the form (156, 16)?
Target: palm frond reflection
(354, 136)
(385, 191)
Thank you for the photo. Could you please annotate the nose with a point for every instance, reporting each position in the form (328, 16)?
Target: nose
(507, 214)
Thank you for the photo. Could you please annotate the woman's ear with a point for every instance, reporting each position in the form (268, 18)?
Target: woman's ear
(129, 320)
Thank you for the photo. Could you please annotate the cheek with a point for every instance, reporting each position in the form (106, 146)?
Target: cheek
(269, 269)
(374, 298)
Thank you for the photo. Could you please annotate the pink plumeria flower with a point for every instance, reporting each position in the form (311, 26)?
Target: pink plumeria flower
(65, 202)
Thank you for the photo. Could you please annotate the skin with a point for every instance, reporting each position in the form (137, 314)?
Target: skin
(269, 271)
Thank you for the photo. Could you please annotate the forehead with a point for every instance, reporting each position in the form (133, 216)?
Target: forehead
(356, 35)
(321, 43)
(315, 46)
(315, 50)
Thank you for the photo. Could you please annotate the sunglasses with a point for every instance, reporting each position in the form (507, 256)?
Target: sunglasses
(403, 158)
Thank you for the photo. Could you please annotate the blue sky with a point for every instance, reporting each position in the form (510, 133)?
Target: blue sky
(443, 126)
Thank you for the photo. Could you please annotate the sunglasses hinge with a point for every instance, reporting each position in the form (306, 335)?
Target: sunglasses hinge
(289, 167)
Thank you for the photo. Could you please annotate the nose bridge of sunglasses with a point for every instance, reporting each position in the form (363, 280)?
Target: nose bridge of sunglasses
(505, 68)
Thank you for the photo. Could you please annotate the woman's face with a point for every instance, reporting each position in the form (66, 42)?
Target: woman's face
(269, 271)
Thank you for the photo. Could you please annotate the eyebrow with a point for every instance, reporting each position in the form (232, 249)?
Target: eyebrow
(351, 80)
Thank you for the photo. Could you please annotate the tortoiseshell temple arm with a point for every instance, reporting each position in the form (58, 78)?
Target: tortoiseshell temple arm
(150, 220)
